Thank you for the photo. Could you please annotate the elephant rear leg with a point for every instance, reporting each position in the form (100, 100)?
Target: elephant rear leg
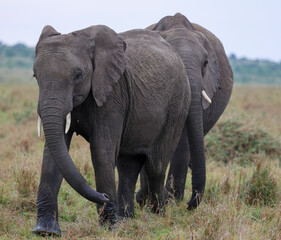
(155, 169)
(178, 169)
(128, 169)
(152, 188)
(157, 162)
(142, 194)
(47, 206)
(156, 197)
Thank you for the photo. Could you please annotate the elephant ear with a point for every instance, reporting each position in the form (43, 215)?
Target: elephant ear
(210, 71)
(108, 58)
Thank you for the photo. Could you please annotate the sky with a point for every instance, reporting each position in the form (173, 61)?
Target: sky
(247, 28)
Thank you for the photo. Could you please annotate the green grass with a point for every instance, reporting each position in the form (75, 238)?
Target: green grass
(242, 196)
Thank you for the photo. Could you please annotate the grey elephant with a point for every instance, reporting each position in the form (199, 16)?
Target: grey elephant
(123, 93)
(211, 81)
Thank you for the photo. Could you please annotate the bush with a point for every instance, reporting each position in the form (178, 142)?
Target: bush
(230, 141)
(261, 189)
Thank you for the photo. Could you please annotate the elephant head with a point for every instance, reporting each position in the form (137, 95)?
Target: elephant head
(196, 51)
(68, 67)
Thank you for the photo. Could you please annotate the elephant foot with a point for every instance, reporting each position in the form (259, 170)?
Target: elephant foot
(168, 196)
(108, 215)
(141, 198)
(194, 201)
(173, 194)
(46, 228)
(156, 206)
(126, 213)
(158, 210)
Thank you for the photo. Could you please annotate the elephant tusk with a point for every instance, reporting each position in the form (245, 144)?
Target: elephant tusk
(205, 96)
(39, 126)
(68, 122)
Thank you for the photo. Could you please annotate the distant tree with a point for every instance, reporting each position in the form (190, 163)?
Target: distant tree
(18, 50)
(232, 56)
(255, 71)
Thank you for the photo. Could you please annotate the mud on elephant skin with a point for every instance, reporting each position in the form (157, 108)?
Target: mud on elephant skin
(125, 92)
(211, 81)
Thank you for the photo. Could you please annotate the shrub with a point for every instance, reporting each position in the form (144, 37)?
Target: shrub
(261, 188)
(230, 141)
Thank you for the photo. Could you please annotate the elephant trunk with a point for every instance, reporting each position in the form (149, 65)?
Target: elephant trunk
(196, 145)
(53, 124)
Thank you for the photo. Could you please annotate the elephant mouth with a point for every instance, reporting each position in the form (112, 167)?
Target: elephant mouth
(77, 99)
(77, 96)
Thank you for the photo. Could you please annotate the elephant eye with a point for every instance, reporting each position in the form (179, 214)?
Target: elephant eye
(204, 67)
(205, 63)
(78, 75)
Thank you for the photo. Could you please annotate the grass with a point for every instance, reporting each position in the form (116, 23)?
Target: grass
(242, 196)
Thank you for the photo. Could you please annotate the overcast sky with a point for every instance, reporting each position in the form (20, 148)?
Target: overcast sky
(248, 28)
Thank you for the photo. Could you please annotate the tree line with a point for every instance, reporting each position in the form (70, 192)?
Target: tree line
(255, 71)
(245, 70)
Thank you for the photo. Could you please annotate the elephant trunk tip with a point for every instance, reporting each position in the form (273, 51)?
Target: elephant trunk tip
(105, 197)
(101, 198)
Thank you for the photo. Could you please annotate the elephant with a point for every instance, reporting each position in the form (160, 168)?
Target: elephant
(211, 82)
(123, 93)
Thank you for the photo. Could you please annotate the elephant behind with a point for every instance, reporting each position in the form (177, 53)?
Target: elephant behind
(211, 81)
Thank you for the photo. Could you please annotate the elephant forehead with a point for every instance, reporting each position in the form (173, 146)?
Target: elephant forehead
(65, 44)
(185, 42)
(169, 22)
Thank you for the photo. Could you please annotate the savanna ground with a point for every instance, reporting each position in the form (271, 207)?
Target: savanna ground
(243, 193)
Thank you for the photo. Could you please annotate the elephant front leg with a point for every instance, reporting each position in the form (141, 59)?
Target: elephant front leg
(47, 206)
(104, 165)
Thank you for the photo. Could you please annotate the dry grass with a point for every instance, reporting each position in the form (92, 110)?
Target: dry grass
(225, 213)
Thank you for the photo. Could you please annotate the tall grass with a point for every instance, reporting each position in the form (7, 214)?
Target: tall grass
(242, 196)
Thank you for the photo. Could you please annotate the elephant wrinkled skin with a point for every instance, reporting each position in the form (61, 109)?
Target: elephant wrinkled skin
(125, 93)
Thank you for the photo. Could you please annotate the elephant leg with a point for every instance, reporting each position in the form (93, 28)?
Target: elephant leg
(47, 205)
(156, 198)
(104, 166)
(175, 183)
(155, 172)
(128, 170)
(142, 194)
